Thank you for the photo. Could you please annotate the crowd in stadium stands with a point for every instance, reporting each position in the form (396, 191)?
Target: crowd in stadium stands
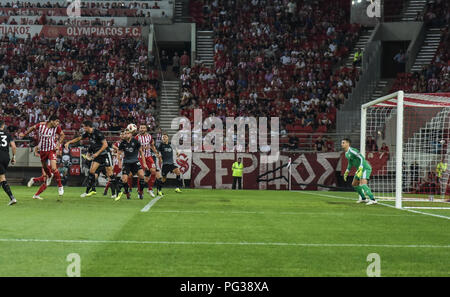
(277, 59)
(108, 80)
(104, 9)
(130, 4)
(435, 77)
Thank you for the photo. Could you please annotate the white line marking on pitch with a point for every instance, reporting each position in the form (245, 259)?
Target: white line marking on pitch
(150, 204)
(384, 204)
(268, 213)
(224, 243)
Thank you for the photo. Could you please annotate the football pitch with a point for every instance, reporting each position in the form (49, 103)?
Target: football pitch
(218, 233)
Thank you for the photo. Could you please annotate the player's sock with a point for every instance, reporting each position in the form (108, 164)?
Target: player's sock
(130, 183)
(141, 185)
(179, 181)
(151, 182)
(367, 190)
(125, 187)
(113, 186)
(41, 189)
(39, 179)
(58, 177)
(7, 189)
(359, 190)
(158, 184)
(108, 185)
(90, 183)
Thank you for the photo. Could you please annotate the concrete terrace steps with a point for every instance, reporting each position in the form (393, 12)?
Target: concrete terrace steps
(205, 47)
(414, 6)
(428, 50)
(361, 43)
(169, 105)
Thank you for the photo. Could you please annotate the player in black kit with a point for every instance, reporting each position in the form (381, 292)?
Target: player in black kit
(100, 155)
(166, 159)
(5, 142)
(131, 148)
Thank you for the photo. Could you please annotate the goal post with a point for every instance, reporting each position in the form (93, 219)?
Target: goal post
(416, 129)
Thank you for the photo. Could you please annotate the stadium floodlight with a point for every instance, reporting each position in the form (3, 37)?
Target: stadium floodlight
(416, 127)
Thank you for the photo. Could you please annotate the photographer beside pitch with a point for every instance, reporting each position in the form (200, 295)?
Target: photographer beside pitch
(355, 159)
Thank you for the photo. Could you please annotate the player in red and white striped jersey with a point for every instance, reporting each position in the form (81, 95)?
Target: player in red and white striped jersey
(42, 178)
(145, 139)
(48, 144)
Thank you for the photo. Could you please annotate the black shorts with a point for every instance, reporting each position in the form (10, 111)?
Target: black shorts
(131, 167)
(168, 168)
(101, 169)
(104, 160)
(4, 163)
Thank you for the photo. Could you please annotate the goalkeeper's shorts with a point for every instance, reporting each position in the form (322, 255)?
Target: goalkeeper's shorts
(365, 174)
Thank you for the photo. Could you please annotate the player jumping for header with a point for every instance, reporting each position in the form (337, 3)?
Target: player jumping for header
(101, 155)
(131, 149)
(48, 144)
(356, 159)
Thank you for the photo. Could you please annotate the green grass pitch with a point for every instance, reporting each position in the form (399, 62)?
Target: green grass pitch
(218, 233)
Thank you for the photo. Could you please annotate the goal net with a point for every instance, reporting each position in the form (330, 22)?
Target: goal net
(406, 138)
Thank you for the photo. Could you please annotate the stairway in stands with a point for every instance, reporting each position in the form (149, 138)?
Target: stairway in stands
(428, 50)
(169, 105)
(205, 47)
(414, 6)
(361, 43)
(181, 11)
(383, 88)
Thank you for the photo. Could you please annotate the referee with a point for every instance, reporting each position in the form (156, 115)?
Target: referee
(238, 168)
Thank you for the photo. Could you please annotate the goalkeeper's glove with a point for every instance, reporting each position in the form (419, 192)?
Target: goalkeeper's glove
(359, 172)
(346, 175)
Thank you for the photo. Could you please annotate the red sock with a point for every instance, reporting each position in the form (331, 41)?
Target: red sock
(39, 179)
(41, 189)
(58, 177)
(107, 186)
(151, 181)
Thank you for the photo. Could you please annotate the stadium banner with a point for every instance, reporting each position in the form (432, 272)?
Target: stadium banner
(63, 11)
(184, 163)
(80, 21)
(55, 31)
(377, 160)
(309, 171)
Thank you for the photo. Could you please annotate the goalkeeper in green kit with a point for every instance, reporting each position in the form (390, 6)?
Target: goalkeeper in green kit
(356, 159)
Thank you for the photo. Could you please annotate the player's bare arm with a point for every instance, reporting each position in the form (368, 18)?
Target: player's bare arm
(29, 130)
(75, 140)
(61, 137)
